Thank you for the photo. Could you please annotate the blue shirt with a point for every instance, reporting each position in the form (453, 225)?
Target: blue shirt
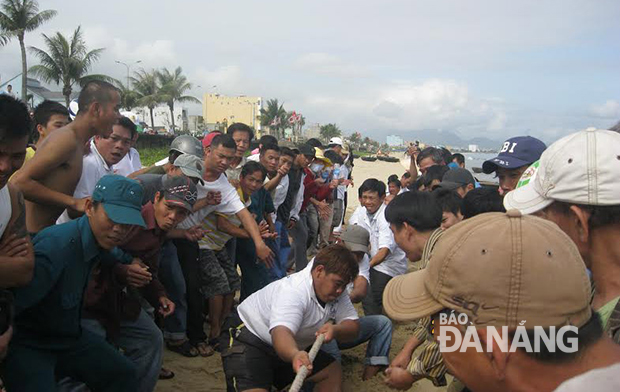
(50, 305)
(261, 203)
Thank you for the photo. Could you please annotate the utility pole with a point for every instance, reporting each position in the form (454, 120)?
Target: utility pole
(128, 66)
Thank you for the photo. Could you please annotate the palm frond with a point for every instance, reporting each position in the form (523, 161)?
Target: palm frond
(37, 20)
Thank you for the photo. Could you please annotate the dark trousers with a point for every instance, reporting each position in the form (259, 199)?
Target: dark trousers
(188, 253)
(254, 273)
(373, 303)
(299, 233)
(89, 359)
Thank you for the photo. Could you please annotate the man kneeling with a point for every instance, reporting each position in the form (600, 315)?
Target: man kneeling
(264, 341)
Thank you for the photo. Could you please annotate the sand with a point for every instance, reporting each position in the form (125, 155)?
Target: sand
(206, 374)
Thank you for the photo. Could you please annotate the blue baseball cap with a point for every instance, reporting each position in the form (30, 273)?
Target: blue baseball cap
(515, 152)
(121, 198)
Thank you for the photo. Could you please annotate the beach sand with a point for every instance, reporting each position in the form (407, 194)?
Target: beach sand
(206, 374)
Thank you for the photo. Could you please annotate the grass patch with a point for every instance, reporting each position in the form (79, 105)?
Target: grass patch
(149, 156)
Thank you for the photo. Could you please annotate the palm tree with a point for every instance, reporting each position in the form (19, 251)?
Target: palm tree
(66, 62)
(146, 87)
(329, 131)
(129, 97)
(274, 117)
(173, 87)
(16, 19)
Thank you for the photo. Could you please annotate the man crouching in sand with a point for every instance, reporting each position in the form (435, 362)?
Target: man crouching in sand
(264, 342)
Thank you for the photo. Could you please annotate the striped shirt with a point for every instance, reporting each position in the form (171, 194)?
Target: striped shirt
(429, 362)
(215, 239)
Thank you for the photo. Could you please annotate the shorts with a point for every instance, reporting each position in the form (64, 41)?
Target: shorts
(250, 363)
(218, 275)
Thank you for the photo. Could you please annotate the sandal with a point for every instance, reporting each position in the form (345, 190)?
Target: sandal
(215, 343)
(165, 374)
(204, 349)
(185, 349)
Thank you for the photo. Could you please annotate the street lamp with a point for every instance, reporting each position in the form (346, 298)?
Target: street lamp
(128, 66)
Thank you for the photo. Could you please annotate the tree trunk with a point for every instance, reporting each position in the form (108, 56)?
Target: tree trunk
(152, 120)
(24, 67)
(171, 106)
(66, 91)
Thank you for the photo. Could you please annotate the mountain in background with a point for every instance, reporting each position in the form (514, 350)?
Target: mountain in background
(446, 138)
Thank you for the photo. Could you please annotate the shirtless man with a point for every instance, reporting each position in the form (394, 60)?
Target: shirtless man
(49, 179)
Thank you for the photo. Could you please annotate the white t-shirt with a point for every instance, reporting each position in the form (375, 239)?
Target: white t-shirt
(381, 237)
(94, 167)
(291, 302)
(129, 164)
(600, 380)
(280, 195)
(254, 158)
(230, 204)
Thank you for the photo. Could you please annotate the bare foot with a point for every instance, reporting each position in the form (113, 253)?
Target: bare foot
(370, 371)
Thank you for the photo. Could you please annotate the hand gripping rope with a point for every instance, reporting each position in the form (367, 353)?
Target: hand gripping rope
(303, 371)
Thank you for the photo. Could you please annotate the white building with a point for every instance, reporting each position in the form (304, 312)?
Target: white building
(474, 148)
(161, 117)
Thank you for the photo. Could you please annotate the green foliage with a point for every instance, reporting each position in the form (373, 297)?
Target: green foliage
(275, 117)
(17, 18)
(148, 156)
(329, 131)
(66, 62)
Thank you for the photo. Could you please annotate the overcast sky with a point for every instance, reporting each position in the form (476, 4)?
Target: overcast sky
(481, 68)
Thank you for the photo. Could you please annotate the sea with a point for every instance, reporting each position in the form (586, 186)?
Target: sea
(475, 160)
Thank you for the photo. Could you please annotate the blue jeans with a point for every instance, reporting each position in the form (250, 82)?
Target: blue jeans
(281, 249)
(377, 331)
(171, 276)
(142, 343)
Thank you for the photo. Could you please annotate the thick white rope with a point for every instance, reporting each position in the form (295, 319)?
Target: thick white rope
(303, 371)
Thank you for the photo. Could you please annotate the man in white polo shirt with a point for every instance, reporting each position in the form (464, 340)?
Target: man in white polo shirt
(263, 343)
(105, 152)
(387, 259)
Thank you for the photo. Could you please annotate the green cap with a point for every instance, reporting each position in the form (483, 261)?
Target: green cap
(121, 198)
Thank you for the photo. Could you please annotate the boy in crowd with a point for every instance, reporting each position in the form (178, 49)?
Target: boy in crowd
(255, 276)
(415, 219)
(515, 156)
(387, 259)
(433, 176)
(242, 135)
(263, 141)
(291, 209)
(457, 160)
(534, 283)
(281, 243)
(422, 160)
(405, 180)
(48, 117)
(459, 180)
(481, 200)
(48, 338)
(16, 252)
(220, 280)
(49, 179)
(377, 329)
(451, 205)
(575, 185)
(105, 152)
(264, 343)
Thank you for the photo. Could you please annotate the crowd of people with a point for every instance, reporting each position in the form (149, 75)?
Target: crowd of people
(222, 249)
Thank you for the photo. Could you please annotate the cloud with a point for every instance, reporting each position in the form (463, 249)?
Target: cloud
(327, 64)
(609, 109)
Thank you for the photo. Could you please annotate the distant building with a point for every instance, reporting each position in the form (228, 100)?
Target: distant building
(36, 92)
(220, 111)
(474, 148)
(394, 140)
(161, 118)
(313, 131)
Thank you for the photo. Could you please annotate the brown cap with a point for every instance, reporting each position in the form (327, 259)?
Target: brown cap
(499, 269)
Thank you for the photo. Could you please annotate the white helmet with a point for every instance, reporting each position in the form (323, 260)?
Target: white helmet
(73, 109)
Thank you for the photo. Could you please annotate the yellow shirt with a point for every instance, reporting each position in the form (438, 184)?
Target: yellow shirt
(29, 155)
